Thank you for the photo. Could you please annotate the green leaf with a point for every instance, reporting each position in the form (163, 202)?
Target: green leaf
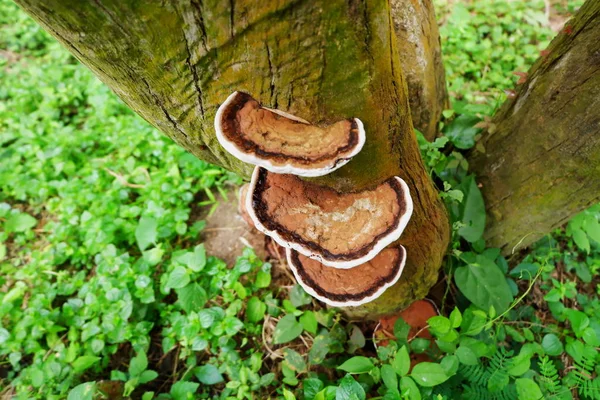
(148, 396)
(349, 389)
(146, 232)
(409, 388)
(461, 131)
(19, 222)
(2, 251)
(138, 364)
(208, 374)
(389, 377)
(552, 345)
(181, 389)
(198, 261)
(471, 211)
(178, 278)
(295, 360)
(439, 324)
(299, 297)
(484, 284)
(401, 330)
(579, 321)
(84, 362)
(581, 240)
(455, 318)
(287, 329)
(311, 386)
(466, 356)
(153, 256)
(527, 389)
(401, 362)
(287, 395)
(357, 365)
(192, 297)
(85, 391)
(255, 310)
(147, 376)
(591, 227)
(450, 364)
(429, 374)
(309, 322)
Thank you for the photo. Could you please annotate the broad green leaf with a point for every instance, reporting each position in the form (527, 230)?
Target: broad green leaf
(85, 391)
(84, 362)
(19, 222)
(299, 297)
(579, 321)
(287, 329)
(198, 261)
(349, 389)
(471, 211)
(484, 284)
(181, 389)
(309, 322)
(138, 364)
(191, 297)
(581, 240)
(592, 228)
(255, 310)
(527, 389)
(439, 324)
(287, 395)
(357, 365)
(461, 131)
(401, 362)
(450, 364)
(401, 330)
(409, 388)
(208, 374)
(389, 377)
(429, 374)
(295, 360)
(466, 356)
(178, 278)
(455, 318)
(146, 232)
(552, 345)
(147, 376)
(311, 386)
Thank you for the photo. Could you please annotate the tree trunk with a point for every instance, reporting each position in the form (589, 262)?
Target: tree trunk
(541, 163)
(174, 63)
(421, 59)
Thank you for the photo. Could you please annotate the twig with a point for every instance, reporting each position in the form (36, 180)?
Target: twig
(123, 181)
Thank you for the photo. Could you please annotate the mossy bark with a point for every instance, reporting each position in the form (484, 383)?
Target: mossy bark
(541, 164)
(421, 59)
(175, 62)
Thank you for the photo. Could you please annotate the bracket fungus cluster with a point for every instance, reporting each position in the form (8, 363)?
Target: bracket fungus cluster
(340, 246)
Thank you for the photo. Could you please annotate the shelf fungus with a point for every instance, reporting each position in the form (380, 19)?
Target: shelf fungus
(341, 230)
(283, 143)
(352, 287)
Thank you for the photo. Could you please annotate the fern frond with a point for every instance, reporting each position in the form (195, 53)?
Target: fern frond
(549, 379)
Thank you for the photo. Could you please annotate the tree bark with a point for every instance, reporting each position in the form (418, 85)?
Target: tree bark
(421, 59)
(541, 163)
(175, 62)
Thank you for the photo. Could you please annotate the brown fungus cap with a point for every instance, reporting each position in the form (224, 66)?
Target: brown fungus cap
(340, 230)
(283, 143)
(352, 287)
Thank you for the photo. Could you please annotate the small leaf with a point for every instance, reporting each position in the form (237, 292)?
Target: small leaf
(295, 360)
(357, 365)
(429, 374)
(208, 374)
(311, 386)
(85, 391)
(146, 232)
(299, 297)
(84, 362)
(581, 240)
(191, 297)
(287, 329)
(462, 131)
(349, 389)
(471, 211)
(309, 322)
(255, 310)
(389, 377)
(527, 389)
(147, 376)
(178, 278)
(455, 317)
(439, 324)
(138, 364)
(409, 388)
(401, 362)
(466, 356)
(181, 389)
(552, 345)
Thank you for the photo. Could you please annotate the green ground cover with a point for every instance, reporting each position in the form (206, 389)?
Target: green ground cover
(105, 291)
